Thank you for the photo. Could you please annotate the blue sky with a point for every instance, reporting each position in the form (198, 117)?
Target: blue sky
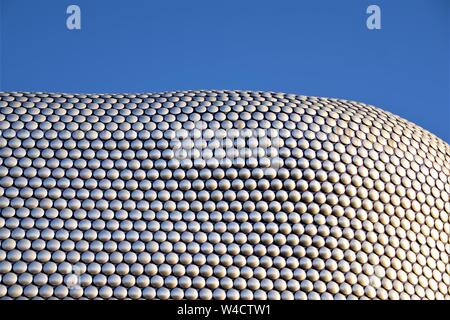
(320, 48)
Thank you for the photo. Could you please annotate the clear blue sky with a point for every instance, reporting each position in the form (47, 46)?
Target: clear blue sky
(318, 47)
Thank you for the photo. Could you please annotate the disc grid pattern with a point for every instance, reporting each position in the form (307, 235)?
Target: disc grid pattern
(343, 201)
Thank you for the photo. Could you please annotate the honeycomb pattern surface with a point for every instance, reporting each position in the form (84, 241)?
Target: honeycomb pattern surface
(219, 195)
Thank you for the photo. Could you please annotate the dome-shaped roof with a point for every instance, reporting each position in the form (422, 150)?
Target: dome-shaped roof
(219, 194)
